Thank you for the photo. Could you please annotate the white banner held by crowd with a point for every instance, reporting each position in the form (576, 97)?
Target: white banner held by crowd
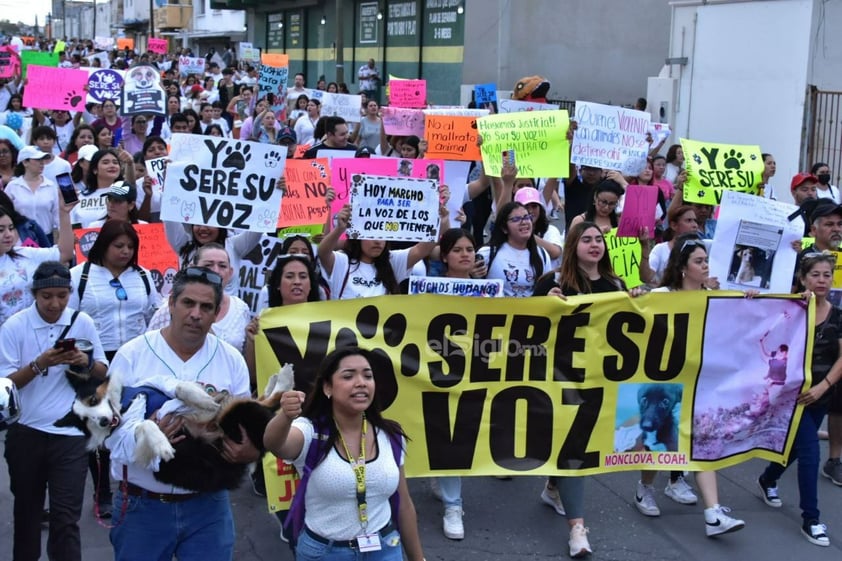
(394, 208)
(484, 288)
(514, 105)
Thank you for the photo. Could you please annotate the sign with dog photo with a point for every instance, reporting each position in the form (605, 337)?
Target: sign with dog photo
(143, 93)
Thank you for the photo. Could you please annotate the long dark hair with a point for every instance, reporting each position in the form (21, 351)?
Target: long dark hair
(187, 249)
(683, 246)
(318, 408)
(605, 186)
(571, 276)
(672, 153)
(110, 231)
(385, 273)
(449, 239)
(14, 151)
(274, 282)
(91, 178)
(71, 147)
(500, 235)
(11, 214)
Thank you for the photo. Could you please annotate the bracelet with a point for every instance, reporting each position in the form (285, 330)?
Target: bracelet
(829, 385)
(37, 369)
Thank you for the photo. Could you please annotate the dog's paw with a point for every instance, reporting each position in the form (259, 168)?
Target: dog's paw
(197, 398)
(151, 445)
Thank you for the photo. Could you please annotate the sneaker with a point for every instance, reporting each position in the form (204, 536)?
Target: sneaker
(452, 523)
(258, 483)
(769, 493)
(578, 542)
(833, 470)
(718, 522)
(644, 500)
(550, 497)
(681, 492)
(435, 489)
(815, 532)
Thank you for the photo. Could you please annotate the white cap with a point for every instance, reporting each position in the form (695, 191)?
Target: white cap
(87, 152)
(32, 153)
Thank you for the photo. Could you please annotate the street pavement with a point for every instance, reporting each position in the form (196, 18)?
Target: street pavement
(505, 520)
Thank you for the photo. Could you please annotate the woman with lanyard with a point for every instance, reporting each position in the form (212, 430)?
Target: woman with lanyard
(816, 274)
(33, 194)
(120, 296)
(687, 269)
(41, 455)
(305, 126)
(106, 168)
(344, 448)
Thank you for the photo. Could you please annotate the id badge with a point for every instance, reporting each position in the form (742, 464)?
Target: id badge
(368, 542)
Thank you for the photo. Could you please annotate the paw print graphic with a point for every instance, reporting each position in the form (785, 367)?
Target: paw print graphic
(267, 217)
(319, 167)
(697, 159)
(236, 156)
(733, 159)
(753, 157)
(73, 98)
(272, 158)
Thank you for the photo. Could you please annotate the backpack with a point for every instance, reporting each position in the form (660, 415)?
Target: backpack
(294, 523)
(86, 270)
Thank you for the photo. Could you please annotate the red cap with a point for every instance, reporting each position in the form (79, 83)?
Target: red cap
(801, 178)
(197, 88)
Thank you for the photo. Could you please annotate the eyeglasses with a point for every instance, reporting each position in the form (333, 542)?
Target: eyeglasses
(119, 291)
(693, 243)
(202, 273)
(4, 152)
(521, 218)
(606, 204)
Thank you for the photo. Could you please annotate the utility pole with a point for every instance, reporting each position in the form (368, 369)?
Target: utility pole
(94, 1)
(151, 19)
(340, 48)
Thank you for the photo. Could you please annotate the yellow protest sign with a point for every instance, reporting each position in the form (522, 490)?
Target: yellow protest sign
(625, 254)
(541, 386)
(713, 168)
(837, 270)
(538, 138)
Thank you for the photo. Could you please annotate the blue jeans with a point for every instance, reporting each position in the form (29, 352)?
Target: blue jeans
(451, 491)
(309, 549)
(805, 449)
(571, 491)
(199, 529)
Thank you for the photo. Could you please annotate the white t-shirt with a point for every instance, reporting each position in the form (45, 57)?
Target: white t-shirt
(360, 279)
(553, 236)
(91, 207)
(55, 167)
(231, 328)
(831, 193)
(512, 266)
(16, 277)
(40, 205)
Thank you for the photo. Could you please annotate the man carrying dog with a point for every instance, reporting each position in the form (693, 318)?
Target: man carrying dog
(161, 520)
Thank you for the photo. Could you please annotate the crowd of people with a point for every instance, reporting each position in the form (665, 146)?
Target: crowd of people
(204, 332)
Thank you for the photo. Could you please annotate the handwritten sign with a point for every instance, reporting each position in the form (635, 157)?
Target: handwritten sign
(402, 122)
(638, 210)
(105, 84)
(610, 137)
(9, 62)
(394, 208)
(156, 169)
(484, 288)
(125, 43)
(538, 138)
(340, 105)
(143, 93)
(304, 202)
(248, 53)
(191, 65)
(660, 132)
(515, 106)
(408, 93)
(715, 168)
(157, 45)
(274, 59)
(625, 254)
(55, 88)
(104, 43)
(223, 183)
(36, 58)
(273, 81)
(457, 112)
(485, 93)
(452, 138)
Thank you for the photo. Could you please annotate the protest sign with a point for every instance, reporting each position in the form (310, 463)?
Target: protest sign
(300, 149)
(255, 268)
(55, 88)
(408, 93)
(143, 93)
(445, 286)
(451, 138)
(715, 168)
(191, 65)
(274, 59)
(394, 208)
(752, 247)
(457, 112)
(341, 105)
(639, 205)
(402, 122)
(104, 43)
(156, 169)
(105, 84)
(457, 181)
(36, 58)
(538, 138)
(223, 183)
(156, 45)
(273, 81)
(610, 137)
(485, 93)
(625, 254)
(307, 230)
(573, 370)
(304, 201)
(154, 253)
(125, 43)
(515, 106)
(59, 47)
(660, 132)
(101, 57)
(9, 62)
(248, 53)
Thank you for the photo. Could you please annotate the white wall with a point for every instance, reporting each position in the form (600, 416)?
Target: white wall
(825, 70)
(217, 20)
(135, 9)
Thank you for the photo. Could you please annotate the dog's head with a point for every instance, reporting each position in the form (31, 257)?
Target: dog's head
(747, 255)
(656, 403)
(95, 411)
(144, 77)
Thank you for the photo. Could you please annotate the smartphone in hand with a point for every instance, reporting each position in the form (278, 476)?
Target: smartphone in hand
(68, 190)
(65, 345)
(509, 157)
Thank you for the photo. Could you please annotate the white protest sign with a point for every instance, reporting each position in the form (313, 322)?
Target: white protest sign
(104, 43)
(223, 183)
(394, 208)
(752, 246)
(156, 169)
(484, 288)
(248, 53)
(340, 105)
(457, 112)
(191, 65)
(660, 132)
(456, 173)
(515, 106)
(610, 137)
(102, 58)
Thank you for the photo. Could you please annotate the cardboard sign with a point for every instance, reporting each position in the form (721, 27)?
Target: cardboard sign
(408, 93)
(610, 137)
(274, 59)
(36, 58)
(402, 122)
(156, 169)
(715, 168)
(125, 43)
(660, 132)
(394, 208)
(340, 105)
(452, 138)
(104, 43)
(143, 93)
(539, 140)
(55, 88)
(304, 202)
(483, 288)
(485, 93)
(191, 65)
(457, 112)
(248, 53)
(638, 210)
(157, 45)
(105, 84)
(515, 106)
(223, 183)
(273, 81)
(625, 254)
(9, 62)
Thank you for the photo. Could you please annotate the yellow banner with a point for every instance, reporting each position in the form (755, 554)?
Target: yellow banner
(713, 168)
(538, 139)
(593, 384)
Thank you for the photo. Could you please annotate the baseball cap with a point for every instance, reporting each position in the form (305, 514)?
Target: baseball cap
(122, 191)
(51, 274)
(363, 152)
(527, 195)
(196, 88)
(87, 152)
(32, 153)
(823, 207)
(287, 133)
(800, 178)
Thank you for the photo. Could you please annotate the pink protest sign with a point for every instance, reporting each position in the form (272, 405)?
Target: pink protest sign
(9, 62)
(403, 122)
(157, 45)
(408, 93)
(638, 211)
(55, 88)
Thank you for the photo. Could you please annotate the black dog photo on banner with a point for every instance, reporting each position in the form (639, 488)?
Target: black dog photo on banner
(142, 92)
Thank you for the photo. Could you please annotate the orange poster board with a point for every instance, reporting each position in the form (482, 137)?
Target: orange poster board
(451, 138)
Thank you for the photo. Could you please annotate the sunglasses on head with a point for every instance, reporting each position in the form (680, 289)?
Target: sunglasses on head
(202, 273)
(693, 243)
(54, 271)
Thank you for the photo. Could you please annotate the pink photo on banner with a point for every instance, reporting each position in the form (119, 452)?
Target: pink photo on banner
(9, 62)
(638, 210)
(158, 46)
(55, 88)
(408, 93)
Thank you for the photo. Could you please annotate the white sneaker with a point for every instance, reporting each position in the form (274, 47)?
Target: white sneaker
(551, 498)
(434, 487)
(578, 542)
(681, 492)
(644, 500)
(453, 527)
(718, 522)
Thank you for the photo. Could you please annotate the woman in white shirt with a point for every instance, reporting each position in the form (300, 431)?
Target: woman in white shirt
(305, 126)
(824, 190)
(33, 194)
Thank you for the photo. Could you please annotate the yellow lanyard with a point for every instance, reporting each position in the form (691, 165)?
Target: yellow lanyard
(358, 466)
